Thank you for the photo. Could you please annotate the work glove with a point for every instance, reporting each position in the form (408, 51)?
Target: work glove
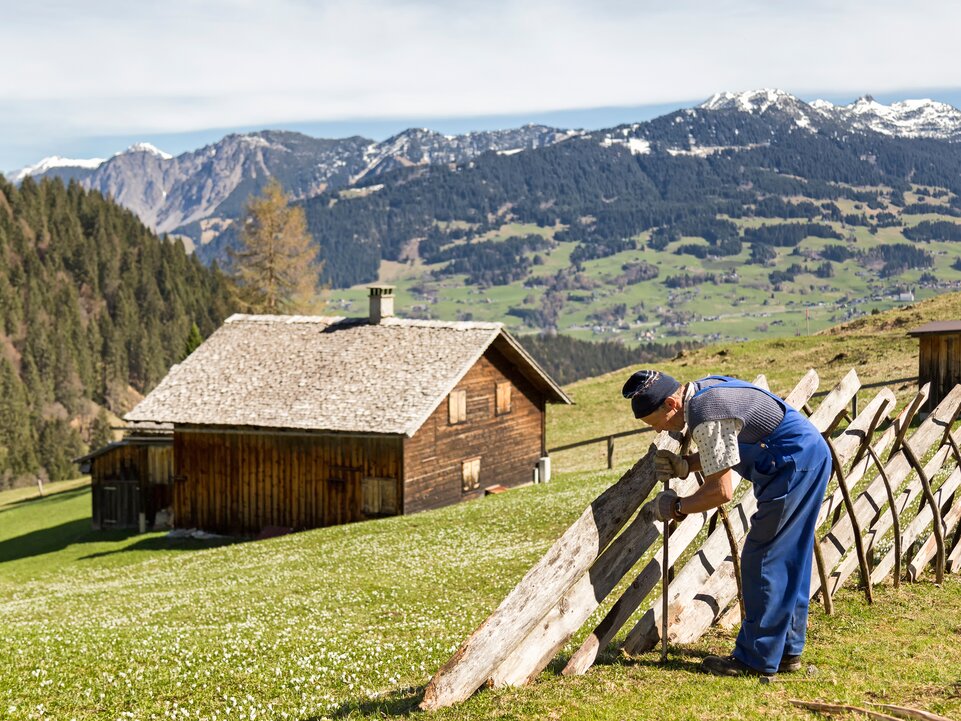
(669, 465)
(663, 506)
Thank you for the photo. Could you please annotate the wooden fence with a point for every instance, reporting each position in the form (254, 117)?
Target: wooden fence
(558, 595)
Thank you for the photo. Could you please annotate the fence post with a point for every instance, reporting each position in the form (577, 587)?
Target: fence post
(610, 452)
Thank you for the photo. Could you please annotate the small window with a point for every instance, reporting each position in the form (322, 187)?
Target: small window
(503, 398)
(457, 406)
(379, 496)
(471, 475)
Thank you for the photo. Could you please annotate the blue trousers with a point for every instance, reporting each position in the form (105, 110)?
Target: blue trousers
(790, 473)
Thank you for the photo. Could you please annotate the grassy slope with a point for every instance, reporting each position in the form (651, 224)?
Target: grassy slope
(351, 621)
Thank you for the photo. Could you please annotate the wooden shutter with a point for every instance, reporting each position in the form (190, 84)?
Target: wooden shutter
(457, 406)
(502, 397)
(470, 470)
(388, 497)
(380, 496)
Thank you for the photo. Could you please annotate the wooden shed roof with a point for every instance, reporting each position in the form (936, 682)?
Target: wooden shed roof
(937, 326)
(329, 373)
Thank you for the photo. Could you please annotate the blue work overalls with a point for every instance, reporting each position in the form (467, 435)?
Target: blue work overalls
(789, 469)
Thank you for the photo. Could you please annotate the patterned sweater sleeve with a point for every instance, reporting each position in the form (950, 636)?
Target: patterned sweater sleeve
(717, 443)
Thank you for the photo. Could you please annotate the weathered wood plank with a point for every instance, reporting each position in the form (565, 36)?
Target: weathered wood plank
(953, 562)
(625, 606)
(923, 520)
(883, 524)
(570, 556)
(872, 499)
(838, 576)
(575, 607)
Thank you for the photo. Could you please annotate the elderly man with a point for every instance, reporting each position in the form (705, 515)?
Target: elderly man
(738, 426)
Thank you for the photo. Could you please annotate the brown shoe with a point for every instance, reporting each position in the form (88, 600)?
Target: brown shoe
(789, 664)
(729, 666)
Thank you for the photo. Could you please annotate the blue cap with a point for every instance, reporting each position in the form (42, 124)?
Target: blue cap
(648, 389)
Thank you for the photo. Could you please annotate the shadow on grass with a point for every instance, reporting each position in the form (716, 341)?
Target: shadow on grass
(397, 703)
(55, 538)
(680, 659)
(44, 540)
(158, 543)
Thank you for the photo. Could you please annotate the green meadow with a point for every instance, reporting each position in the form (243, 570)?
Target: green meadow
(351, 621)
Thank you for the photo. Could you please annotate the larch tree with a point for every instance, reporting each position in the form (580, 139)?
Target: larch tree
(275, 268)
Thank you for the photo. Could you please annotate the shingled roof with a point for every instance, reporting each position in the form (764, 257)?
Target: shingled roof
(328, 373)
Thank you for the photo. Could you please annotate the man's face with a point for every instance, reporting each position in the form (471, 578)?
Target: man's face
(669, 416)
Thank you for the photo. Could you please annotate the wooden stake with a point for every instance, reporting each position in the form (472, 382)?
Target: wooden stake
(665, 581)
(840, 708)
(906, 712)
(938, 523)
(858, 543)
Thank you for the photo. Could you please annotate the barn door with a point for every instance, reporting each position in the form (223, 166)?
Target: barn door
(119, 503)
(335, 508)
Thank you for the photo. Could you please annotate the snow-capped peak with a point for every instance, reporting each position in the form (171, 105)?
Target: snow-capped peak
(919, 118)
(147, 148)
(750, 101)
(868, 105)
(55, 161)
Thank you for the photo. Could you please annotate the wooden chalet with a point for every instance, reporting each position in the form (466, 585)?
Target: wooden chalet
(300, 422)
(939, 358)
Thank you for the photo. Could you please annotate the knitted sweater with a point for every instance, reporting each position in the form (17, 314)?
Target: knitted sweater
(758, 413)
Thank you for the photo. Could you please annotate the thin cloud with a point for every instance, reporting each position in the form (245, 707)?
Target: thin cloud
(118, 67)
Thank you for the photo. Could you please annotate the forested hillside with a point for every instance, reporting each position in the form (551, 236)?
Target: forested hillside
(92, 305)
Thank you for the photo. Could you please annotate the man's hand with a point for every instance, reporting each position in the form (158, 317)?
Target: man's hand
(669, 465)
(663, 506)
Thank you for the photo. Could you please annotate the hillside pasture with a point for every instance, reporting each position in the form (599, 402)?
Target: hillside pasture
(351, 621)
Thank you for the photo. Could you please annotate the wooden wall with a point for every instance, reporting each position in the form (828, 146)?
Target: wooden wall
(241, 482)
(121, 475)
(939, 362)
(508, 445)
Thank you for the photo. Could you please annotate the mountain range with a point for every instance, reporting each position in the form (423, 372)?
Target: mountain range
(199, 193)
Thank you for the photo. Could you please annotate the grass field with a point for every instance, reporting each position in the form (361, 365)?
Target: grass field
(351, 621)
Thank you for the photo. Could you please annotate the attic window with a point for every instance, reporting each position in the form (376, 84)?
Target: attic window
(502, 398)
(470, 475)
(457, 406)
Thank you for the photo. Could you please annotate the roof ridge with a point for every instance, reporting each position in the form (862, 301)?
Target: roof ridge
(277, 318)
(391, 321)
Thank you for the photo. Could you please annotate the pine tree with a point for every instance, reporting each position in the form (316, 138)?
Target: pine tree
(194, 339)
(275, 269)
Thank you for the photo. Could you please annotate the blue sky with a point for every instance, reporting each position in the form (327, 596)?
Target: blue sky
(89, 79)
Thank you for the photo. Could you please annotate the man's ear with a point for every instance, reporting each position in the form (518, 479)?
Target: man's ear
(672, 403)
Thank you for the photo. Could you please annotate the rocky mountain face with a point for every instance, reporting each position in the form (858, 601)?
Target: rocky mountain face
(195, 190)
(199, 193)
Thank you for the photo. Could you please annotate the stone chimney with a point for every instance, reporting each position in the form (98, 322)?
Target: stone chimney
(381, 302)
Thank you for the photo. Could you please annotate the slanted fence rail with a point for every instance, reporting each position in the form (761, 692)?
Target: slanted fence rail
(609, 540)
